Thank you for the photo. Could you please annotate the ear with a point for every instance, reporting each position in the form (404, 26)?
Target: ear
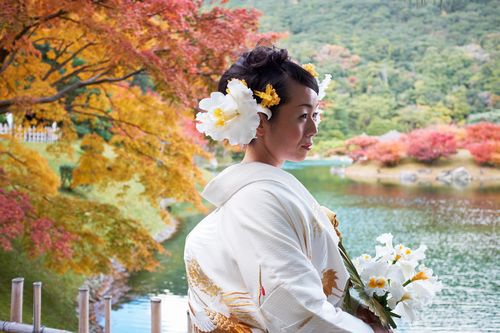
(264, 123)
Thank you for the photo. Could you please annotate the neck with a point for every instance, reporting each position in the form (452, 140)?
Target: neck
(257, 152)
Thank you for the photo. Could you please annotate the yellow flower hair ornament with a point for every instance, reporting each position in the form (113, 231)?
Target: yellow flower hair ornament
(311, 69)
(233, 116)
(269, 97)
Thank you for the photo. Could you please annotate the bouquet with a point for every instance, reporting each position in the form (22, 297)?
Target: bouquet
(393, 283)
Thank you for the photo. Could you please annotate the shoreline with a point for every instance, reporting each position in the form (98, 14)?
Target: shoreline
(459, 171)
(115, 283)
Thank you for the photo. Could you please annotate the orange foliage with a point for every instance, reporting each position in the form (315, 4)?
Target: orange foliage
(483, 142)
(387, 153)
(487, 152)
(357, 147)
(482, 132)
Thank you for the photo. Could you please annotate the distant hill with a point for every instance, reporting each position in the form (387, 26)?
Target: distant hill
(397, 64)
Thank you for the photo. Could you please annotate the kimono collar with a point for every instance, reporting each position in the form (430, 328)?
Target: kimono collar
(237, 176)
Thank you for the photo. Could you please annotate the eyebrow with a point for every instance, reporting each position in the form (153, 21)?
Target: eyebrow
(307, 105)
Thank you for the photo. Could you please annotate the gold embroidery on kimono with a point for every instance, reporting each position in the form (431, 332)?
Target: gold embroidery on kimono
(329, 281)
(236, 302)
(199, 279)
(225, 324)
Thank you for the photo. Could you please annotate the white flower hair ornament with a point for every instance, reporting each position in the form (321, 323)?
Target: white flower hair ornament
(234, 116)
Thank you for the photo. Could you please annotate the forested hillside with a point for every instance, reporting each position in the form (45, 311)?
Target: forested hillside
(396, 64)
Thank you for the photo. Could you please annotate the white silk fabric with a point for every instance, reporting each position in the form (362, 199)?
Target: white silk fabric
(266, 259)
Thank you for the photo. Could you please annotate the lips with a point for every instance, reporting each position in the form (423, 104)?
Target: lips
(307, 146)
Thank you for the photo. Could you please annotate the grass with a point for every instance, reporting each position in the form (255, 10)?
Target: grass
(59, 292)
(131, 204)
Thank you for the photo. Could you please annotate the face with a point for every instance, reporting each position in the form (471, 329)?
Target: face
(289, 135)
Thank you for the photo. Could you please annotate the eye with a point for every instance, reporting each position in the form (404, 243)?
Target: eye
(315, 115)
(303, 116)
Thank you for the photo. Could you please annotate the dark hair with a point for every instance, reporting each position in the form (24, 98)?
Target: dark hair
(265, 65)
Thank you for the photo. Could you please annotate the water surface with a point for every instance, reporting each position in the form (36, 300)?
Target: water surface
(460, 228)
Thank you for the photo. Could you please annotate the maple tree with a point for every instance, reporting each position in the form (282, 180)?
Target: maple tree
(357, 147)
(427, 145)
(482, 132)
(483, 142)
(487, 152)
(18, 221)
(132, 72)
(388, 153)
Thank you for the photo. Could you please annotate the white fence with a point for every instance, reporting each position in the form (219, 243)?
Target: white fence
(31, 134)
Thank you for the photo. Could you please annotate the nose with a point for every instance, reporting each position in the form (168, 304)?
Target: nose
(312, 128)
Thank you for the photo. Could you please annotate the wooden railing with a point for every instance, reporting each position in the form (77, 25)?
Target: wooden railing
(15, 324)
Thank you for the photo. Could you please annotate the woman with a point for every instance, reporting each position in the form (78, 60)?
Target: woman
(266, 260)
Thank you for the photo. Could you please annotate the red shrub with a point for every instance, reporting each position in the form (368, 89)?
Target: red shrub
(482, 132)
(487, 152)
(427, 145)
(358, 146)
(388, 153)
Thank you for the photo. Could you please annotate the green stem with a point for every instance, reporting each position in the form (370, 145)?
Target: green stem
(407, 282)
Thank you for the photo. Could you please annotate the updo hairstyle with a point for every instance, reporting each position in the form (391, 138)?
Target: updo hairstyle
(265, 65)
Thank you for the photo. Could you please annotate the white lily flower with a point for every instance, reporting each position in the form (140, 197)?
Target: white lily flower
(397, 292)
(425, 284)
(406, 307)
(385, 252)
(361, 262)
(377, 276)
(233, 116)
(408, 259)
(392, 278)
(385, 239)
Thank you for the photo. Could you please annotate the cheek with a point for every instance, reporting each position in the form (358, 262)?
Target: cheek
(287, 135)
(292, 136)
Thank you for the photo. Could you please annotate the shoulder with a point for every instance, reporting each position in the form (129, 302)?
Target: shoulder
(264, 193)
(266, 204)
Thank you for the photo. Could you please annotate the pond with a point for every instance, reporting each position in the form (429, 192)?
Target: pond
(460, 229)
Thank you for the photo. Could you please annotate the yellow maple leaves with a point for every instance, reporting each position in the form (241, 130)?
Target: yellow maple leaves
(26, 168)
(77, 64)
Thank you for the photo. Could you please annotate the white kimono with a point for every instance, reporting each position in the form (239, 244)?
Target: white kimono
(266, 260)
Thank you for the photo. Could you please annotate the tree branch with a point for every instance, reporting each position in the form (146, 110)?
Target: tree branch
(37, 20)
(106, 116)
(5, 104)
(117, 79)
(62, 64)
(80, 70)
(8, 61)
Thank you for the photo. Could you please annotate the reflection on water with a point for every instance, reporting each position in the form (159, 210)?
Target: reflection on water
(459, 227)
(135, 316)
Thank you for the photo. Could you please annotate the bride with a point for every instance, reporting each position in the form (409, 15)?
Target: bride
(267, 258)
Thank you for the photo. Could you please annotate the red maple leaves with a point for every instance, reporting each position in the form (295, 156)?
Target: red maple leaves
(428, 145)
(18, 222)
